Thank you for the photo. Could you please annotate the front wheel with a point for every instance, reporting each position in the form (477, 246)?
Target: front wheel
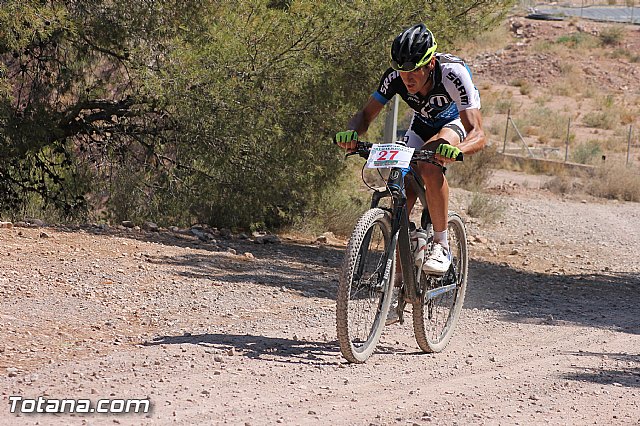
(364, 292)
(436, 312)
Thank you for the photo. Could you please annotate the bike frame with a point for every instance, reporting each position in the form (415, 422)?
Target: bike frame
(396, 189)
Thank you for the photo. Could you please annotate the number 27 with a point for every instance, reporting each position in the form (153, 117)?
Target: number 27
(383, 155)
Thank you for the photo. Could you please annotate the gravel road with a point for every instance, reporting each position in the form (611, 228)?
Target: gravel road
(233, 332)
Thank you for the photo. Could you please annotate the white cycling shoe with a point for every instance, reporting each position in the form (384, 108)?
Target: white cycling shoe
(438, 261)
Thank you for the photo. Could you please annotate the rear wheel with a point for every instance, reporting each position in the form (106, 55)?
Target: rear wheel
(364, 292)
(440, 301)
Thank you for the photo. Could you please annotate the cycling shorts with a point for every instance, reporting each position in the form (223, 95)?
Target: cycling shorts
(419, 132)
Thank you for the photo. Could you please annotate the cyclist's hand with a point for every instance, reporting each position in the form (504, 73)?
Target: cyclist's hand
(347, 139)
(447, 153)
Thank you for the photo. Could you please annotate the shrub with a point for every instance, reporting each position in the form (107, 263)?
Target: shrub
(524, 85)
(483, 206)
(586, 152)
(578, 40)
(616, 182)
(497, 102)
(612, 36)
(562, 184)
(474, 173)
(338, 207)
(605, 119)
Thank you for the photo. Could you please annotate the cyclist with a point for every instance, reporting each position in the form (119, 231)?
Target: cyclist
(446, 120)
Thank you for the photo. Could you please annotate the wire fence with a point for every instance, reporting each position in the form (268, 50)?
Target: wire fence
(622, 11)
(571, 151)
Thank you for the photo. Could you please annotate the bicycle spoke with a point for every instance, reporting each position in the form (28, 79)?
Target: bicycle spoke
(363, 294)
(441, 299)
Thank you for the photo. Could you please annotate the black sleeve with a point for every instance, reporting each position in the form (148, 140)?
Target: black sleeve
(388, 87)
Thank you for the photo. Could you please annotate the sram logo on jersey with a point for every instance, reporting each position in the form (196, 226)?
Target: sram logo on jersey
(464, 97)
(387, 81)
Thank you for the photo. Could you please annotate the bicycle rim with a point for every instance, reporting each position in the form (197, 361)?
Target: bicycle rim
(436, 313)
(363, 294)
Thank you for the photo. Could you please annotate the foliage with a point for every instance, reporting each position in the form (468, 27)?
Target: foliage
(207, 111)
(615, 182)
(612, 35)
(586, 153)
(483, 206)
(475, 171)
(578, 40)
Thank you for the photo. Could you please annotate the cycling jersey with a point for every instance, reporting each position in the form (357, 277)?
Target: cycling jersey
(452, 91)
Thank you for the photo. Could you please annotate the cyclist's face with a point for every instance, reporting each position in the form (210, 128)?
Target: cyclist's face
(416, 80)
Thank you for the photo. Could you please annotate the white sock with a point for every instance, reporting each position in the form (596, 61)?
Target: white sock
(442, 238)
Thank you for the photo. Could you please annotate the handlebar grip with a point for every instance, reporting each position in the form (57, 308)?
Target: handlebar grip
(460, 157)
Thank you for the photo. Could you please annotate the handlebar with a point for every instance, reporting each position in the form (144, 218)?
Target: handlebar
(363, 148)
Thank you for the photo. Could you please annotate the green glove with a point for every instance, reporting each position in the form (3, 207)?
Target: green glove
(448, 151)
(345, 137)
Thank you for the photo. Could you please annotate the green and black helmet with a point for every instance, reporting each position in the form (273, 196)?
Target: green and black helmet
(413, 48)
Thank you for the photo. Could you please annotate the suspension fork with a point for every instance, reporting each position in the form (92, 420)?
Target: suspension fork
(400, 230)
(406, 259)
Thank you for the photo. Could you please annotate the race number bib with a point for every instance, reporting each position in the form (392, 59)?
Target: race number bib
(389, 155)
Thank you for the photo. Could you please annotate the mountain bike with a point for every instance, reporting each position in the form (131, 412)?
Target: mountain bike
(368, 270)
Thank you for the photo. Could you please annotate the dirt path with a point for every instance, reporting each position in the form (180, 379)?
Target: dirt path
(550, 332)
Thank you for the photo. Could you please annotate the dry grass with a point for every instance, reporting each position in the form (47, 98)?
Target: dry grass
(606, 119)
(523, 85)
(561, 184)
(613, 35)
(548, 126)
(473, 174)
(617, 182)
(587, 153)
(489, 41)
(497, 102)
(485, 207)
(622, 53)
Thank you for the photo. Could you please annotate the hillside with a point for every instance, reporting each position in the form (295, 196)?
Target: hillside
(552, 75)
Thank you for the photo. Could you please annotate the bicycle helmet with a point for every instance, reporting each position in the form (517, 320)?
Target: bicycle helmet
(413, 48)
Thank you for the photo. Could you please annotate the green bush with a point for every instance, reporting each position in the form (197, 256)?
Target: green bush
(586, 153)
(195, 111)
(578, 40)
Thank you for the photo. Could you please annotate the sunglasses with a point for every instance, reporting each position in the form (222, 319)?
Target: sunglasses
(406, 67)
(412, 66)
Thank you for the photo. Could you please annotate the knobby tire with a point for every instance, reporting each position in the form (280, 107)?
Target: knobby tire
(363, 295)
(434, 320)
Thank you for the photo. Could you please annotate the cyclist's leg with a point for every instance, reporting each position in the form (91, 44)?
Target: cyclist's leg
(415, 137)
(416, 140)
(437, 188)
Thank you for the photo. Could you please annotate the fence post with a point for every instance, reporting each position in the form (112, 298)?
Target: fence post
(566, 149)
(629, 144)
(391, 122)
(522, 139)
(506, 131)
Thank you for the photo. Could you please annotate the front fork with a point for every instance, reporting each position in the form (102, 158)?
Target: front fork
(400, 236)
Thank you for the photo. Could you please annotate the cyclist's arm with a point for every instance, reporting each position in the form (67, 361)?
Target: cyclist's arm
(476, 139)
(362, 119)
